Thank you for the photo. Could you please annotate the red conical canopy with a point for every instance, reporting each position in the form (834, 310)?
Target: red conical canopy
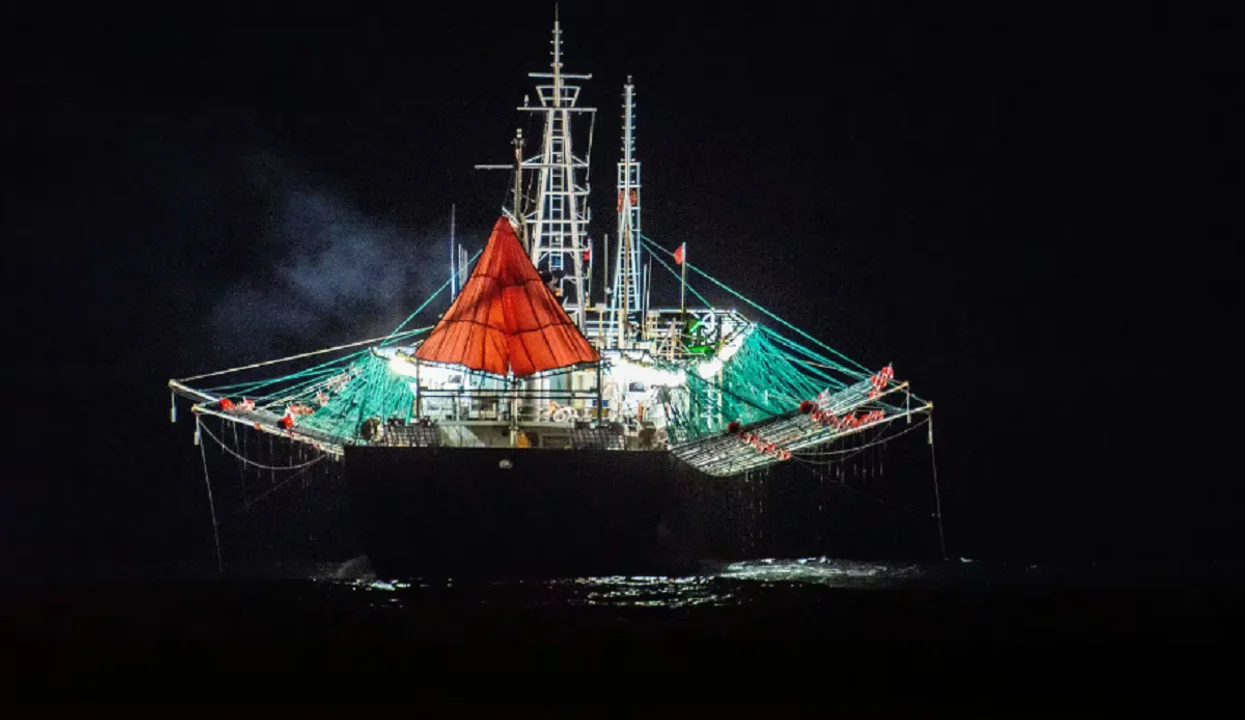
(505, 318)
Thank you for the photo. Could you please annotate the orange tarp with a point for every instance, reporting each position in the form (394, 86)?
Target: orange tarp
(505, 318)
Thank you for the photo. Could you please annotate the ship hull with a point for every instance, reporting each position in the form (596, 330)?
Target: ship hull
(493, 512)
(501, 512)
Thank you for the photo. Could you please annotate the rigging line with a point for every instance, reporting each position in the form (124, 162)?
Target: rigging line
(810, 374)
(506, 194)
(252, 463)
(298, 357)
(734, 292)
(592, 126)
(445, 285)
(323, 370)
(249, 390)
(817, 365)
(788, 342)
(723, 389)
(531, 176)
(233, 427)
(942, 542)
(295, 391)
(283, 483)
(680, 278)
(220, 563)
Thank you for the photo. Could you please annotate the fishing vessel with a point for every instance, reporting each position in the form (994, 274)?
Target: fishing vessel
(541, 425)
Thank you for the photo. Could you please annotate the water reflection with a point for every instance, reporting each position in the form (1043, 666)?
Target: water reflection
(823, 571)
(727, 584)
(647, 591)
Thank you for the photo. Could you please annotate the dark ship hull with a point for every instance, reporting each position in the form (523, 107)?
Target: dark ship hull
(502, 512)
(490, 512)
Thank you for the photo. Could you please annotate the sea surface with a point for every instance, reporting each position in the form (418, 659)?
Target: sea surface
(833, 623)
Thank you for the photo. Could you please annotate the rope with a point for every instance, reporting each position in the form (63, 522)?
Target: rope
(305, 467)
(324, 368)
(252, 463)
(825, 362)
(810, 353)
(300, 356)
(785, 324)
(679, 277)
(418, 310)
(295, 391)
(220, 563)
(942, 541)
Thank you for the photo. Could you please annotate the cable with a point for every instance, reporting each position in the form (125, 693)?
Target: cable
(942, 542)
(444, 286)
(252, 463)
(786, 324)
(679, 277)
(220, 563)
(305, 467)
(301, 355)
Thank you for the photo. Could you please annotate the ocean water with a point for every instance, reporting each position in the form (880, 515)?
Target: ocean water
(849, 623)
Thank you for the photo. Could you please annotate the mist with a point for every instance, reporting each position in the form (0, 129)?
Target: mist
(334, 276)
(300, 267)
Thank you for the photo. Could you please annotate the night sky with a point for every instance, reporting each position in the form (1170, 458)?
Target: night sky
(1018, 207)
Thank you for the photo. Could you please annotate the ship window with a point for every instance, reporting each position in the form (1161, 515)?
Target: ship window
(636, 387)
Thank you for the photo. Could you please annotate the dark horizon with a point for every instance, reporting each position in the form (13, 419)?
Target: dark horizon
(969, 194)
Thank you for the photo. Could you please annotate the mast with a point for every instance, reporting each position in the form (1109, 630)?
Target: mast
(628, 294)
(553, 227)
(558, 223)
(648, 298)
(603, 337)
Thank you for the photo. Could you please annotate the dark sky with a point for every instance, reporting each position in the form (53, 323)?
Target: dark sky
(1018, 204)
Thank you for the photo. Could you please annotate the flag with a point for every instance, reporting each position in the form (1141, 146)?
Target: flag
(680, 254)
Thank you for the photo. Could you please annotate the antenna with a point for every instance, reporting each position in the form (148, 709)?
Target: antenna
(453, 252)
(629, 282)
(557, 58)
